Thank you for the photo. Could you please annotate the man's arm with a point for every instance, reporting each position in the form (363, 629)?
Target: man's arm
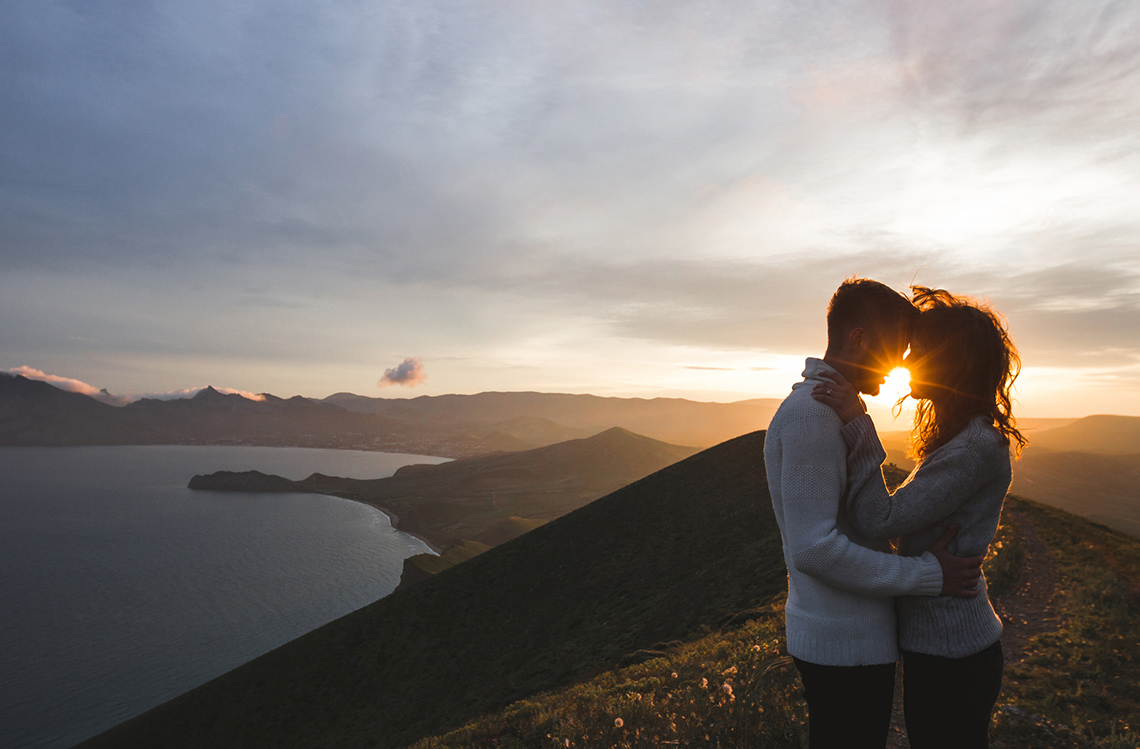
(812, 479)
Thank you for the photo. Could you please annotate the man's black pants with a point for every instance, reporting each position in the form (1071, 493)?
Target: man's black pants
(848, 706)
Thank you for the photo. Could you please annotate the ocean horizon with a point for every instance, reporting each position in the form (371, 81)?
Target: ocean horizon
(124, 589)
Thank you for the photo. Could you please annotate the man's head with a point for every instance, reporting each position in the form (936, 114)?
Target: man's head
(868, 327)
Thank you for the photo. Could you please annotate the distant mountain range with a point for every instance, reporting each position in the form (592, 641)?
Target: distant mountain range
(37, 413)
(674, 420)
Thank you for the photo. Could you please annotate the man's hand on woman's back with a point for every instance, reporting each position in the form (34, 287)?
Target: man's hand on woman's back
(960, 575)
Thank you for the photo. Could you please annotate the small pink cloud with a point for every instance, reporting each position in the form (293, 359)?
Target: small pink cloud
(408, 373)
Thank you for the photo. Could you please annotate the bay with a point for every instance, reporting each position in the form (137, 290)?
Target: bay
(120, 588)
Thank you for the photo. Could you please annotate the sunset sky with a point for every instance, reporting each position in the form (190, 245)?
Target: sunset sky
(620, 198)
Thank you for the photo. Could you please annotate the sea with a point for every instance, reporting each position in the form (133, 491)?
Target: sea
(120, 588)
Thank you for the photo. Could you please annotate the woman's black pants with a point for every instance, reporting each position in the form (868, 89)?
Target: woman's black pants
(948, 701)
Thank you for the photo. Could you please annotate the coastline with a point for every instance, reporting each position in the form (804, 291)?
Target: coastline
(393, 519)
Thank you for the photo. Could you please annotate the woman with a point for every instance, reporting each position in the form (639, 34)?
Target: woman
(962, 365)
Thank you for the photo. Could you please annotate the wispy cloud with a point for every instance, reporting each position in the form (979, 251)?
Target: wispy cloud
(70, 384)
(186, 393)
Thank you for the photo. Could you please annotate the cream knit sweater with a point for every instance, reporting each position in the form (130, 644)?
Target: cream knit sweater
(840, 609)
(962, 482)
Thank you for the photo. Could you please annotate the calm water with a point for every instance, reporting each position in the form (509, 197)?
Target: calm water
(120, 588)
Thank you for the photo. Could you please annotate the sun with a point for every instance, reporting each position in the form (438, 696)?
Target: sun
(897, 384)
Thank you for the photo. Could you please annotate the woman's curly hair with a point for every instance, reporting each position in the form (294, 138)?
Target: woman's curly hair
(967, 369)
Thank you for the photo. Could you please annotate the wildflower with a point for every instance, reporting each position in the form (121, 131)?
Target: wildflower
(727, 688)
(618, 722)
(704, 683)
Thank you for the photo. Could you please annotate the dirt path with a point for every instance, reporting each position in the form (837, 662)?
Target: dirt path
(1031, 608)
(1026, 611)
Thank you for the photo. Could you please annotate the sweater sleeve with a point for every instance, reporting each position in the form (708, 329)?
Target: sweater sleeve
(812, 474)
(946, 478)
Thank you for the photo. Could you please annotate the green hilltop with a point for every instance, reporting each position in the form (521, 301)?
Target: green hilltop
(619, 580)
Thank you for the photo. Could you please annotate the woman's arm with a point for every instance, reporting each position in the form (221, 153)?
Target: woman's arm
(946, 478)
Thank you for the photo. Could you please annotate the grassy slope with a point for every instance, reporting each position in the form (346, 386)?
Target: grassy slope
(1080, 685)
(1077, 688)
(660, 560)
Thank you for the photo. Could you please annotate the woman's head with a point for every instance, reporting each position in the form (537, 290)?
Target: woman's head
(962, 364)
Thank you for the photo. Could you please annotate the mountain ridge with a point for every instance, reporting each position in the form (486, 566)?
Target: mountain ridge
(448, 426)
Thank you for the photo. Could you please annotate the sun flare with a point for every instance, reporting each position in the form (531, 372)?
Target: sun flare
(897, 384)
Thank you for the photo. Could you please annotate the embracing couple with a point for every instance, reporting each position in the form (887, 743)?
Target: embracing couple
(853, 605)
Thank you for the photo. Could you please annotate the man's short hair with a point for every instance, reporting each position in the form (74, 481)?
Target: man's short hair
(863, 303)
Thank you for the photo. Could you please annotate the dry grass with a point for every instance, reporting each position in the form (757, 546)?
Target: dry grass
(1080, 685)
(737, 689)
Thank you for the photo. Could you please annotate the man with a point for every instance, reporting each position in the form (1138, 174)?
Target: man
(841, 587)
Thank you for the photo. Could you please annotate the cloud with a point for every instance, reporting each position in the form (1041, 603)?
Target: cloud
(73, 385)
(679, 174)
(187, 393)
(408, 373)
(70, 384)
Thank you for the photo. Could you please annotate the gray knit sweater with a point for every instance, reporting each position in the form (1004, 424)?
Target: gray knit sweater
(840, 609)
(962, 482)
